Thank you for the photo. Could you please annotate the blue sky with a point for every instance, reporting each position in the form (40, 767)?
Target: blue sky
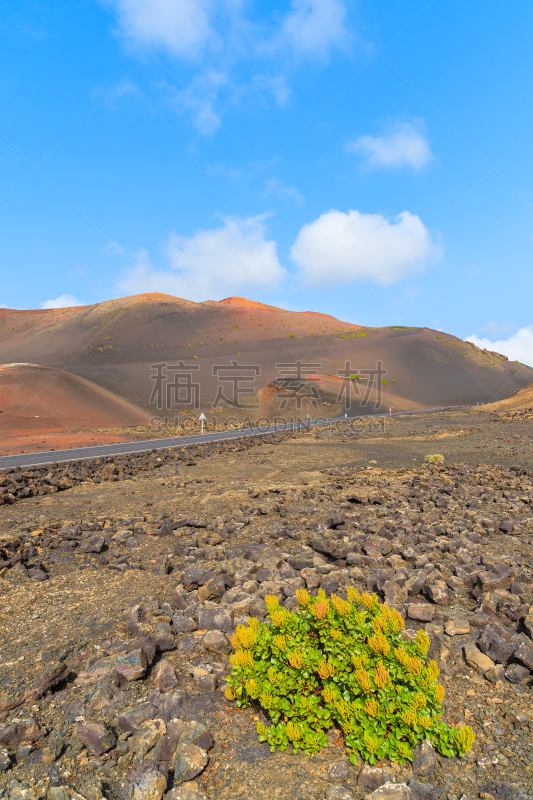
(370, 160)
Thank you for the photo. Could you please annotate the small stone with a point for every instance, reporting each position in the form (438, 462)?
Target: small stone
(516, 673)
(165, 677)
(437, 592)
(92, 790)
(476, 659)
(206, 681)
(98, 739)
(424, 759)
(5, 759)
(422, 791)
(63, 793)
(183, 624)
(495, 674)
(193, 733)
(338, 771)
(457, 627)
(212, 590)
(147, 737)
(391, 791)
(188, 762)
(215, 619)
(150, 786)
(421, 611)
(374, 777)
(185, 792)
(336, 792)
(216, 642)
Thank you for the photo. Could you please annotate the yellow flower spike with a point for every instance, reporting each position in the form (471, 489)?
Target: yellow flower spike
(329, 695)
(340, 605)
(423, 721)
(320, 595)
(422, 642)
(302, 595)
(363, 679)
(321, 609)
(366, 600)
(246, 636)
(267, 701)
(335, 634)
(293, 732)
(244, 658)
(381, 676)
(280, 642)
(326, 670)
(253, 622)
(295, 659)
(234, 641)
(353, 595)
(372, 707)
(262, 729)
(464, 736)
(379, 623)
(272, 675)
(272, 602)
(439, 693)
(252, 687)
(371, 742)
(433, 670)
(414, 665)
(228, 691)
(409, 716)
(279, 617)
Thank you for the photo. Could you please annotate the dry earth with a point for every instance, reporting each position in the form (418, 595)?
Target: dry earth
(118, 595)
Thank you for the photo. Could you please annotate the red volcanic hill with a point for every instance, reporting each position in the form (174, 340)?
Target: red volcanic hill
(35, 397)
(117, 345)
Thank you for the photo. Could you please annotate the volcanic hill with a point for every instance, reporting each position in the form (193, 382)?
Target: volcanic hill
(114, 346)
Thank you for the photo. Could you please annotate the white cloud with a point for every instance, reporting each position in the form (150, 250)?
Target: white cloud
(313, 27)
(199, 100)
(343, 247)
(213, 264)
(181, 26)
(63, 301)
(518, 347)
(404, 144)
(498, 328)
(217, 37)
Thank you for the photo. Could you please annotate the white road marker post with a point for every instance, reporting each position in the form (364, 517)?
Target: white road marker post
(202, 418)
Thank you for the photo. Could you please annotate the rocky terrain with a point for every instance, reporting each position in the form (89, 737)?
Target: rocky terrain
(122, 580)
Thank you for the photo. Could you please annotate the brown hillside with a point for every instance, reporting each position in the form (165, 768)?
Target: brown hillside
(116, 343)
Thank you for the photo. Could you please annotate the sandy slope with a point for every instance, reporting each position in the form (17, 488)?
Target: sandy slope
(115, 344)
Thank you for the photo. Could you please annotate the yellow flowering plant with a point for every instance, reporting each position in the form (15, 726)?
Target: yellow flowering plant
(346, 663)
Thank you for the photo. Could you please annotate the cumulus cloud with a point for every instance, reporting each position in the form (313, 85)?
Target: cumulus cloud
(343, 247)
(181, 26)
(63, 301)
(313, 27)
(518, 347)
(216, 38)
(233, 259)
(498, 328)
(404, 144)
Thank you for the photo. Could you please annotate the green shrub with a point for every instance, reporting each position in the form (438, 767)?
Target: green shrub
(384, 383)
(434, 459)
(291, 335)
(346, 663)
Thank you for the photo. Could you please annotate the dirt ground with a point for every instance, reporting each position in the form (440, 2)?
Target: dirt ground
(86, 598)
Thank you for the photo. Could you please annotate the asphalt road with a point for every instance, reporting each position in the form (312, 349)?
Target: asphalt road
(121, 448)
